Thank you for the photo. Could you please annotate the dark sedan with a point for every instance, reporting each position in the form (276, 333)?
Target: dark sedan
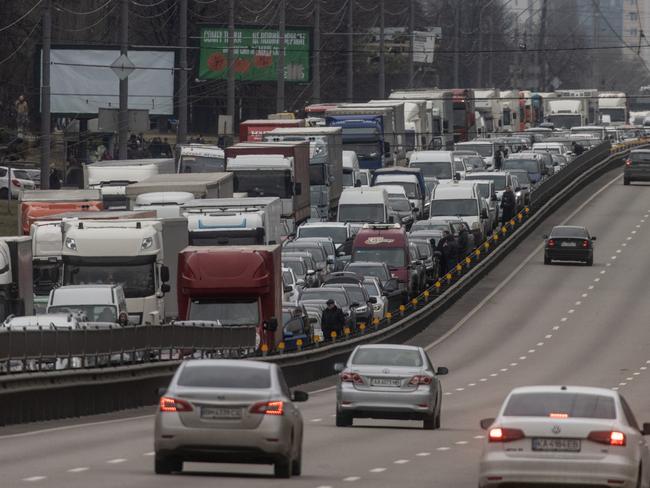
(569, 243)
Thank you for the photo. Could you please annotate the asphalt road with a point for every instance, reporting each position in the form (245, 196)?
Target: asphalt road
(525, 324)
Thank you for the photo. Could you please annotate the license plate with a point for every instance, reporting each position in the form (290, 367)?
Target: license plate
(212, 413)
(556, 445)
(568, 244)
(385, 382)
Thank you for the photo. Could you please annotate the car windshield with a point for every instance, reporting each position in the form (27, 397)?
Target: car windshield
(372, 289)
(137, 279)
(227, 313)
(338, 295)
(464, 207)
(21, 174)
(202, 164)
(570, 404)
(363, 177)
(318, 253)
(337, 234)
(92, 313)
(522, 176)
(367, 150)
(429, 169)
(530, 165)
(484, 190)
(298, 267)
(263, 183)
(410, 189)
(384, 356)
(287, 278)
(426, 225)
(393, 257)
(219, 376)
(361, 213)
(484, 150)
(348, 178)
(399, 204)
(474, 162)
(499, 180)
(569, 232)
(356, 294)
(368, 270)
(640, 157)
(46, 276)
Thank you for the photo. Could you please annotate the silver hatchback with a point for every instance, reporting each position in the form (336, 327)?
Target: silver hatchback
(389, 382)
(227, 411)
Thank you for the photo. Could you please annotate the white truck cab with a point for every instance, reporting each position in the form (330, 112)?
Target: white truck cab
(359, 206)
(94, 303)
(462, 200)
(201, 158)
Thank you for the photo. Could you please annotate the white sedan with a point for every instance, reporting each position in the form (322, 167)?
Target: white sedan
(565, 435)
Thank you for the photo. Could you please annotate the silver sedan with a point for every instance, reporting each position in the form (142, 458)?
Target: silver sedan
(389, 382)
(229, 411)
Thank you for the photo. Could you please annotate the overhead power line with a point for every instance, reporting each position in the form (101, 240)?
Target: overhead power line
(19, 19)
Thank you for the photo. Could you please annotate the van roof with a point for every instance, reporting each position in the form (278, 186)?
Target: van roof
(431, 156)
(83, 295)
(454, 190)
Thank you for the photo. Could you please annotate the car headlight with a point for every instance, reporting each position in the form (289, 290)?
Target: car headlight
(376, 307)
(362, 309)
(70, 243)
(147, 242)
(406, 219)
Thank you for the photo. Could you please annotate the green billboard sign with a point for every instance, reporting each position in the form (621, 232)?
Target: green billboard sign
(256, 54)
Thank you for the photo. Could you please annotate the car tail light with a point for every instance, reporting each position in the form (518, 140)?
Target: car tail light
(15, 182)
(421, 380)
(551, 243)
(585, 244)
(558, 415)
(168, 404)
(268, 408)
(503, 434)
(628, 162)
(347, 377)
(613, 438)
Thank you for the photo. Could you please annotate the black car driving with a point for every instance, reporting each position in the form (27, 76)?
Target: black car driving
(569, 243)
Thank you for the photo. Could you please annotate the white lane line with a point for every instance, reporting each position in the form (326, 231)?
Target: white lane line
(622, 384)
(33, 479)
(460, 443)
(423, 454)
(633, 232)
(578, 303)
(443, 448)
(324, 486)
(522, 358)
(603, 271)
(596, 280)
(629, 378)
(448, 393)
(618, 251)
(547, 336)
(613, 257)
(483, 380)
(636, 373)
(648, 361)
(351, 479)
(540, 344)
(471, 384)
(624, 244)
(494, 375)
(564, 319)
(614, 388)
(460, 389)
(377, 470)
(608, 264)
(479, 437)
(556, 327)
(150, 453)
(116, 461)
(78, 470)
(401, 461)
(590, 287)
(585, 295)
(503, 370)
(516, 271)
(629, 238)
(530, 351)
(643, 368)
(571, 311)
(316, 420)
(514, 364)
(638, 226)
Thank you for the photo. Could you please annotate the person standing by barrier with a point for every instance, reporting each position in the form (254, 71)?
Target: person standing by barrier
(332, 320)
(447, 247)
(577, 148)
(508, 204)
(22, 114)
(498, 158)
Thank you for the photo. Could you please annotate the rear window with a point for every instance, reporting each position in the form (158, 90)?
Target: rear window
(572, 404)
(568, 232)
(216, 376)
(371, 356)
(640, 157)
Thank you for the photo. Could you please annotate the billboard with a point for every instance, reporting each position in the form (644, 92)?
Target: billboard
(256, 54)
(82, 81)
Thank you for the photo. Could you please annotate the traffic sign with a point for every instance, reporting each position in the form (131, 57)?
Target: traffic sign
(123, 67)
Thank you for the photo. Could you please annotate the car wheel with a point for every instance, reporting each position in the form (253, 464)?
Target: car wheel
(296, 464)
(547, 260)
(282, 468)
(590, 261)
(429, 422)
(3, 193)
(639, 481)
(167, 465)
(344, 419)
(626, 181)
(438, 418)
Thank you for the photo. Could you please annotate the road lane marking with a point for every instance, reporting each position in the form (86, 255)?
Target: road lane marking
(461, 443)
(571, 311)
(494, 375)
(540, 344)
(629, 238)
(316, 420)
(443, 448)
(591, 287)
(516, 271)
(613, 257)
(423, 454)
(643, 368)
(596, 280)
(556, 327)
(460, 389)
(622, 384)
(78, 470)
(483, 379)
(471, 384)
(564, 319)
(618, 251)
(150, 453)
(503, 370)
(352, 478)
(578, 303)
(514, 364)
(548, 336)
(448, 393)
(522, 358)
(116, 461)
(479, 437)
(585, 295)
(401, 461)
(531, 351)
(636, 373)
(377, 470)
(33, 479)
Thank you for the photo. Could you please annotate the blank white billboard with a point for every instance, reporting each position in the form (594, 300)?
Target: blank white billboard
(82, 81)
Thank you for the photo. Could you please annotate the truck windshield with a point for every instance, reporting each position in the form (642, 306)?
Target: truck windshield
(411, 189)
(565, 121)
(499, 180)
(615, 114)
(400, 204)
(394, 257)
(338, 234)
(137, 279)
(202, 164)
(430, 169)
(235, 313)
(263, 183)
(368, 213)
(92, 313)
(484, 150)
(46, 276)
(316, 174)
(466, 207)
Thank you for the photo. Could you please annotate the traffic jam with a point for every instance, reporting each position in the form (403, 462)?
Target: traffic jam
(307, 231)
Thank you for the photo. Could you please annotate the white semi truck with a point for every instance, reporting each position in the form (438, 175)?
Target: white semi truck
(613, 105)
(139, 254)
(16, 292)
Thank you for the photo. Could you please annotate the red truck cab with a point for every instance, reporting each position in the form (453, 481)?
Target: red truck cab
(237, 286)
(387, 243)
(253, 130)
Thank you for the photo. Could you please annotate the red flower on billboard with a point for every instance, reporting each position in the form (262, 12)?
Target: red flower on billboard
(242, 65)
(217, 62)
(263, 60)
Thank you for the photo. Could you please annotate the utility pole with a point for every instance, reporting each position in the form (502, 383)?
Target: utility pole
(491, 49)
(182, 92)
(479, 68)
(123, 119)
(316, 81)
(411, 42)
(456, 45)
(230, 88)
(542, 42)
(45, 98)
(382, 49)
(596, 57)
(350, 63)
(279, 107)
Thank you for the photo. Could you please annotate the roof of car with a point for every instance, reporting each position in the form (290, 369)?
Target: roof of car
(324, 224)
(190, 363)
(389, 346)
(366, 263)
(590, 390)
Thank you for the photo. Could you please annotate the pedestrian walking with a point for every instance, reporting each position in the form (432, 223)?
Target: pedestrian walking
(449, 250)
(498, 158)
(22, 114)
(508, 205)
(577, 148)
(55, 179)
(332, 320)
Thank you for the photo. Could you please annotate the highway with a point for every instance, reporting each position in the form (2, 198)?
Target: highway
(526, 323)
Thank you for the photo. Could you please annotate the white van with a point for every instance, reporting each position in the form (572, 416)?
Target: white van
(485, 148)
(553, 148)
(97, 303)
(358, 206)
(437, 165)
(350, 169)
(462, 200)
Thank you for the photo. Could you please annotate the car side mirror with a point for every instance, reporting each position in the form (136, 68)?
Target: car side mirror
(484, 214)
(646, 429)
(441, 371)
(391, 219)
(165, 288)
(593, 238)
(415, 209)
(357, 184)
(486, 423)
(162, 390)
(300, 282)
(412, 204)
(299, 396)
(330, 260)
(457, 176)
(338, 367)
(164, 273)
(372, 300)
(518, 188)
(288, 289)
(437, 254)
